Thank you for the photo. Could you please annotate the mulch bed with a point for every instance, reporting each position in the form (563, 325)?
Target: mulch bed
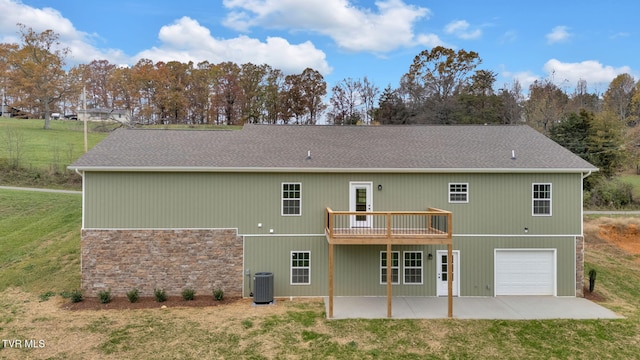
(593, 296)
(122, 303)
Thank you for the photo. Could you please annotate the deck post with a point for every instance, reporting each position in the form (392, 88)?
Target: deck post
(450, 279)
(450, 267)
(389, 278)
(330, 280)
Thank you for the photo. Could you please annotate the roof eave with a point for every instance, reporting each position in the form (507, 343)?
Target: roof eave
(324, 170)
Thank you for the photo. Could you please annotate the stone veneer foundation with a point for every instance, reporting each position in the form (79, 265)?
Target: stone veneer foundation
(201, 259)
(579, 266)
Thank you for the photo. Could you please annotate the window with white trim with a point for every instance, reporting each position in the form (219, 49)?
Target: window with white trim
(458, 192)
(541, 199)
(300, 267)
(395, 267)
(412, 267)
(291, 199)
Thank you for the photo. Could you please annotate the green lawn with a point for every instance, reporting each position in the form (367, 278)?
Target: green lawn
(634, 180)
(46, 149)
(40, 240)
(40, 251)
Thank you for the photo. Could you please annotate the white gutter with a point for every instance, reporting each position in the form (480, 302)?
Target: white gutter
(585, 176)
(325, 170)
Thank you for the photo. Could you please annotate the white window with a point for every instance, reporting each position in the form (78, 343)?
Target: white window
(300, 268)
(291, 199)
(412, 267)
(541, 199)
(458, 192)
(395, 267)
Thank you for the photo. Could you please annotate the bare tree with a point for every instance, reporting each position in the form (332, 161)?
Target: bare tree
(14, 141)
(369, 94)
(346, 98)
(512, 102)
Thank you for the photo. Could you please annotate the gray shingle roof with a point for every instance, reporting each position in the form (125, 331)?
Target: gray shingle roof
(333, 148)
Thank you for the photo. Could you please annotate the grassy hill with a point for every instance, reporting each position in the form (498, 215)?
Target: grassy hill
(40, 257)
(34, 157)
(47, 149)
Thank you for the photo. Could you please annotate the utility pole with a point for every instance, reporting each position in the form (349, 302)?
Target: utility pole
(84, 116)
(3, 108)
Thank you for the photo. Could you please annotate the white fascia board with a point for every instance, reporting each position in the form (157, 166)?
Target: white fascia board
(325, 170)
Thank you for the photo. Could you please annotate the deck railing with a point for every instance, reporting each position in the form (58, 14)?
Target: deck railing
(381, 227)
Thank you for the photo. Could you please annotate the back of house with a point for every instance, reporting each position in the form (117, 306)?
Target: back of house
(209, 209)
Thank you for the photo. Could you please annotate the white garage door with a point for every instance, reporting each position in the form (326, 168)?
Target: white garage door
(525, 272)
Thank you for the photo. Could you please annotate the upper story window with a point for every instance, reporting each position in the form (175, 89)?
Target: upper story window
(458, 192)
(291, 199)
(541, 199)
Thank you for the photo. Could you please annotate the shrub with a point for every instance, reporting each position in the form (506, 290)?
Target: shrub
(592, 280)
(246, 323)
(46, 296)
(133, 295)
(188, 294)
(104, 296)
(610, 194)
(218, 294)
(76, 296)
(160, 295)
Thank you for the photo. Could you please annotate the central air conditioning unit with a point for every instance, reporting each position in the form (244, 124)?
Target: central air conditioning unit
(263, 285)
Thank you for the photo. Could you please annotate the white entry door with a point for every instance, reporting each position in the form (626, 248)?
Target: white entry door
(360, 199)
(443, 263)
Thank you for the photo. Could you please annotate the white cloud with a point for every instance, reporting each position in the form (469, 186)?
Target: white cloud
(186, 40)
(525, 78)
(390, 27)
(590, 70)
(460, 28)
(80, 43)
(509, 36)
(558, 34)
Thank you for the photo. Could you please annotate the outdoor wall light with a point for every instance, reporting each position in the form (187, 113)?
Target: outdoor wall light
(379, 187)
(526, 230)
(430, 256)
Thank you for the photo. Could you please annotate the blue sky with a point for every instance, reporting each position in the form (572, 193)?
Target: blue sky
(565, 40)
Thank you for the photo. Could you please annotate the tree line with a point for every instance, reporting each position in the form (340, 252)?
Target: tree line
(441, 86)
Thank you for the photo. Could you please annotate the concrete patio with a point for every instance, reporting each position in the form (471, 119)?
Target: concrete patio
(501, 307)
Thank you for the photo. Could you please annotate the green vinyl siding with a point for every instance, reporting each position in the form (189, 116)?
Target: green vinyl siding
(498, 203)
(273, 254)
(477, 261)
(357, 267)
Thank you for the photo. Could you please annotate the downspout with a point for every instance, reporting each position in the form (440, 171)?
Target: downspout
(575, 250)
(82, 226)
(82, 175)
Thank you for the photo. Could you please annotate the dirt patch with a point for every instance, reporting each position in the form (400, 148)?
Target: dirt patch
(122, 303)
(626, 237)
(593, 296)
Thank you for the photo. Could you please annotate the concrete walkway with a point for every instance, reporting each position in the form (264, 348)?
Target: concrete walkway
(500, 307)
(607, 212)
(41, 190)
